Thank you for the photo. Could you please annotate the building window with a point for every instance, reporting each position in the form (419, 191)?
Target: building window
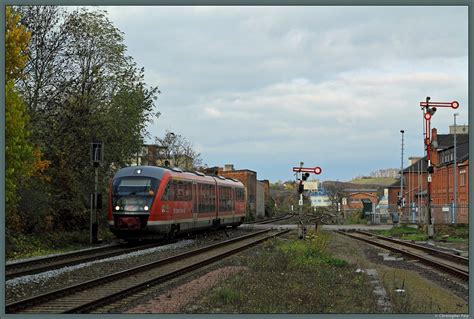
(462, 179)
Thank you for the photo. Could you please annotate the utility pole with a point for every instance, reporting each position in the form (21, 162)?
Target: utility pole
(455, 176)
(97, 154)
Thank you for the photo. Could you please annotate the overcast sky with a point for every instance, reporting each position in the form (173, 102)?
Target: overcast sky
(264, 88)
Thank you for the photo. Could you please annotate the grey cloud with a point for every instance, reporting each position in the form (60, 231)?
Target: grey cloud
(337, 82)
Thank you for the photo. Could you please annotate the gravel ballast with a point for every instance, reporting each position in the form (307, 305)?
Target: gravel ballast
(31, 285)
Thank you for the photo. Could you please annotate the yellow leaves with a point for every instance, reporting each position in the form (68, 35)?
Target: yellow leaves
(17, 39)
(40, 166)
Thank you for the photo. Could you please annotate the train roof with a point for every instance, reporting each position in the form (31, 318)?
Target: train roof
(159, 171)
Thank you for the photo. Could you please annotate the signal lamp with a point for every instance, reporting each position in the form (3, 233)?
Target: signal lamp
(305, 176)
(300, 188)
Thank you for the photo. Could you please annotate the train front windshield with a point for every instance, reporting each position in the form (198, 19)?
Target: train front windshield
(133, 194)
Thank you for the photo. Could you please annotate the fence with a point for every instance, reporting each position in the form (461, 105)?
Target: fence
(441, 214)
(412, 214)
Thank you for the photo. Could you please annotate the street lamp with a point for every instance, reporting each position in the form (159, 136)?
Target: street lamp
(455, 175)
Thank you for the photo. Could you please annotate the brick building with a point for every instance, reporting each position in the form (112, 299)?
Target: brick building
(266, 197)
(415, 181)
(354, 198)
(442, 186)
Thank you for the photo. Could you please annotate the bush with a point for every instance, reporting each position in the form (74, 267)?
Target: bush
(356, 218)
(310, 252)
(24, 246)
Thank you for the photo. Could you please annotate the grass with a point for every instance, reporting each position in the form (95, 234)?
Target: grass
(400, 232)
(453, 231)
(293, 276)
(420, 296)
(24, 246)
(456, 233)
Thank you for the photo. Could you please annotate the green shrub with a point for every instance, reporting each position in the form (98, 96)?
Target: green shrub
(227, 295)
(310, 252)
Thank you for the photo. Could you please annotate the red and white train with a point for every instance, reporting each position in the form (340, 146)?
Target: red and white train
(150, 201)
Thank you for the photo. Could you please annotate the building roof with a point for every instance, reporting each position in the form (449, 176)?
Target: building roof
(447, 140)
(360, 190)
(418, 166)
(462, 153)
(239, 171)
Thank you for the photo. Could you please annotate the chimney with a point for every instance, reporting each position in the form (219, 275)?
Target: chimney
(434, 153)
(228, 167)
(434, 135)
(413, 159)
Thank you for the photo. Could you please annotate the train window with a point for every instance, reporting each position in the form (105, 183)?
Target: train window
(207, 198)
(178, 191)
(226, 202)
(239, 194)
(168, 194)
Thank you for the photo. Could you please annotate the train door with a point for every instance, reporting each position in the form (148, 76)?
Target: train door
(195, 204)
(233, 203)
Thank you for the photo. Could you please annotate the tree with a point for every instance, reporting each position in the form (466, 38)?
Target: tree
(80, 86)
(180, 151)
(18, 150)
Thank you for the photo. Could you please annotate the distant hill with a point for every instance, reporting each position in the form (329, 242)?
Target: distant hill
(381, 181)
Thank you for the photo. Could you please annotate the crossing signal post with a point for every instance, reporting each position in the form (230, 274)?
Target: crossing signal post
(302, 175)
(429, 109)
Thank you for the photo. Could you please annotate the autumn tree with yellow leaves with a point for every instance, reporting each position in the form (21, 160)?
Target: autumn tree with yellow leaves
(22, 160)
(18, 150)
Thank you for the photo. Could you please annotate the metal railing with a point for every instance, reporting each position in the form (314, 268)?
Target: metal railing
(441, 214)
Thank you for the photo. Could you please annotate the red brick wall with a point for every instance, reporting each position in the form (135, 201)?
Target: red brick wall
(354, 199)
(393, 196)
(442, 190)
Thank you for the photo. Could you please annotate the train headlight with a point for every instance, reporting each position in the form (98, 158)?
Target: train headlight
(146, 208)
(117, 207)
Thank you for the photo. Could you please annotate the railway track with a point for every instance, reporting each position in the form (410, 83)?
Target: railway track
(440, 261)
(271, 220)
(87, 296)
(432, 251)
(38, 265)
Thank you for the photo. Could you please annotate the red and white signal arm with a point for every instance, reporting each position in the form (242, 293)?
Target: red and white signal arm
(315, 170)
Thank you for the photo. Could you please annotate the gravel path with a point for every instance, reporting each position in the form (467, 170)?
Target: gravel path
(174, 300)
